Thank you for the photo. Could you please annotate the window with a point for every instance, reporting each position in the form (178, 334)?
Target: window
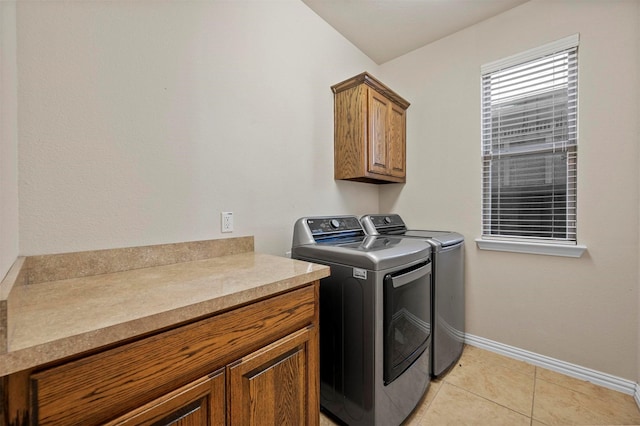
(529, 145)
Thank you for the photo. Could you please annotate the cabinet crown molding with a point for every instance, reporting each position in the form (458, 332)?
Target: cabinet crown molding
(374, 83)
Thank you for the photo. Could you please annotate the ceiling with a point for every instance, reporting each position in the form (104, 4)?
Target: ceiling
(387, 29)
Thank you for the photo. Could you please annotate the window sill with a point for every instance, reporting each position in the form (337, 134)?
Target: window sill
(565, 250)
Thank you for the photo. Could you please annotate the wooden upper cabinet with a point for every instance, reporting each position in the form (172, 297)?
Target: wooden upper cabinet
(370, 131)
(397, 141)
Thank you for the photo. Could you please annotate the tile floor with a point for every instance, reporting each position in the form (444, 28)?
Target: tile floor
(485, 388)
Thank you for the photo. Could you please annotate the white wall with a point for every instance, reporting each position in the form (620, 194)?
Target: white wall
(141, 121)
(8, 139)
(583, 311)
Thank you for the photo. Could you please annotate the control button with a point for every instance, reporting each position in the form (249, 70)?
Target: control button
(335, 224)
(387, 220)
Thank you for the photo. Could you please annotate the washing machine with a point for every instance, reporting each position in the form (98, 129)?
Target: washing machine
(448, 301)
(375, 319)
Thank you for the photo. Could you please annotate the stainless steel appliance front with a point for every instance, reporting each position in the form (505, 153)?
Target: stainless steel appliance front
(375, 330)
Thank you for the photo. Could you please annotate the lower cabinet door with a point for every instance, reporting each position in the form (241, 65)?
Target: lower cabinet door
(199, 403)
(276, 385)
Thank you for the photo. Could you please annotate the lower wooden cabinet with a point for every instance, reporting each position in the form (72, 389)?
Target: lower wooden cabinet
(254, 365)
(272, 386)
(199, 403)
(267, 387)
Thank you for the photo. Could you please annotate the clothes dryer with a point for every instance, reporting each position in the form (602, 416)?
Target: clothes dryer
(447, 297)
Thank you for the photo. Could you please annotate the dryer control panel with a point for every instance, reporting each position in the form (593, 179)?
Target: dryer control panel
(387, 224)
(384, 220)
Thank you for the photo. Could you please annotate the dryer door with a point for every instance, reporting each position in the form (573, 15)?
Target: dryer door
(407, 318)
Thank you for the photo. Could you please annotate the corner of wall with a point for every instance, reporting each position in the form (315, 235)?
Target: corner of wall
(8, 138)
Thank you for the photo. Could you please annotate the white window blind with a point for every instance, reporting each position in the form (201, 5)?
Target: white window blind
(529, 144)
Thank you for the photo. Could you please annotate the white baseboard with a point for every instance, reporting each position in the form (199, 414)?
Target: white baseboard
(602, 379)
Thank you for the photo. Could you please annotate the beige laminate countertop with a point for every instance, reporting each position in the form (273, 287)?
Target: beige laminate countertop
(52, 320)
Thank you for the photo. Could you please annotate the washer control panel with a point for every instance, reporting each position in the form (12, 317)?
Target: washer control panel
(328, 225)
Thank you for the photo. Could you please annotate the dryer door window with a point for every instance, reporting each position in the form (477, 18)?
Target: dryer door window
(407, 318)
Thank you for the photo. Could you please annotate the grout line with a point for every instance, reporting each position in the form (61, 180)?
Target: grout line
(428, 405)
(533, 398)
(489, 400)
(434, 396)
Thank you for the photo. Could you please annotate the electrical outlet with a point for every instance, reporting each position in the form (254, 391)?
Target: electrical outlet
(227, 221)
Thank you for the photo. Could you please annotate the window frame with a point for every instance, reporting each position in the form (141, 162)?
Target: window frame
(526, 243)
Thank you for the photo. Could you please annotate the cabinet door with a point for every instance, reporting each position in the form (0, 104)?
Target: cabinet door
(277, 385)
(200, 403)
(396, 141)
(378, 133)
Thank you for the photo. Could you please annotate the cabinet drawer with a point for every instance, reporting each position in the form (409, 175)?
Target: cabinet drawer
(97, 388)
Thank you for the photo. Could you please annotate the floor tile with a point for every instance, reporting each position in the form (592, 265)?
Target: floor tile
(424, 404)
(583, 386)
(456, 406)
(434, 387)
(475, 355)
(496, 378)
(325, 421)
(558, 405)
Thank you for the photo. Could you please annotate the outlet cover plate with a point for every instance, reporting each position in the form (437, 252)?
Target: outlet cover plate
(226, 221)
